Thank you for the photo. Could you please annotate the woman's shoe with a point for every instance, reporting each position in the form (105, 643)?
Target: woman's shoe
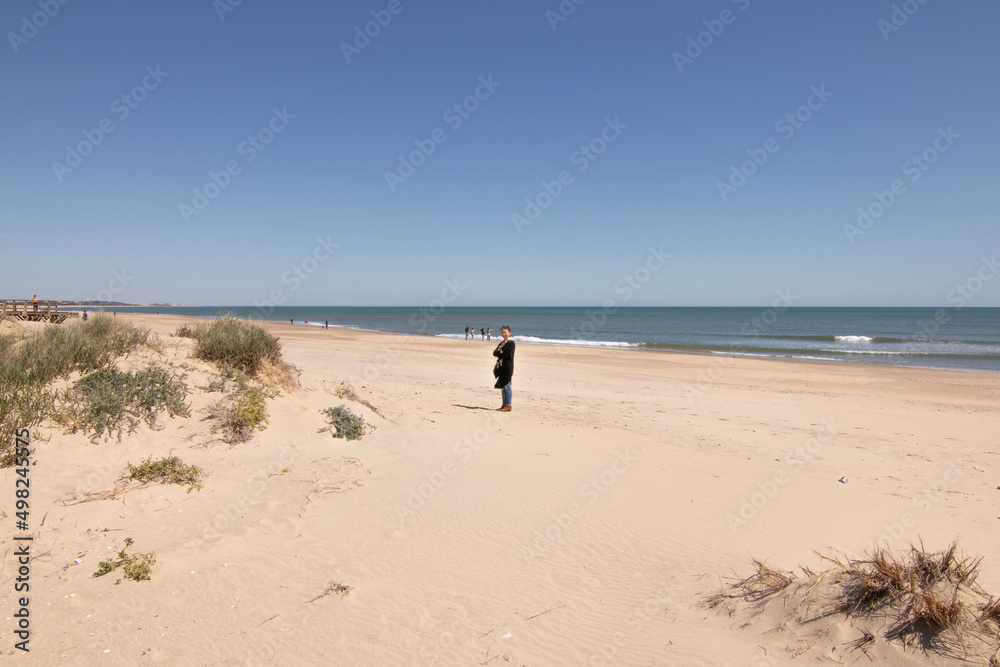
(503, 408)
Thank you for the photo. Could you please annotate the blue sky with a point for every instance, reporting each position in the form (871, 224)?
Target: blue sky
(673, 99)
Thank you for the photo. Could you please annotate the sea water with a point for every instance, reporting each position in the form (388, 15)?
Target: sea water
(956, 338)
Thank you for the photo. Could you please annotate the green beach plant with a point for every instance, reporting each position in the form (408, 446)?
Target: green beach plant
(344, 424)
(240, 414)
(168, 470)
(134, 566)
(109, 401)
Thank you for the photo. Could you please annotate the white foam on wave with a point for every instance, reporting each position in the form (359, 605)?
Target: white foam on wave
(886, 352)
(548, 341)
(853, 339)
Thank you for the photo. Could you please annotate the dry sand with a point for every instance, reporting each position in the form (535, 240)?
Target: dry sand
(585, 527)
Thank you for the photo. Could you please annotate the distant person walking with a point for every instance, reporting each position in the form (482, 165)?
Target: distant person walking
(84, 316)
(466, 333)
(482, 332)
(34, 300)
(326, 324)
(489, 333)
(504, 369)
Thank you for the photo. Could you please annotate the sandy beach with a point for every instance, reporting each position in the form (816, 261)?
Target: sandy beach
(585, 527)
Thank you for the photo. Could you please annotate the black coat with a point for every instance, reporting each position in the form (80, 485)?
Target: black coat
(506, 357)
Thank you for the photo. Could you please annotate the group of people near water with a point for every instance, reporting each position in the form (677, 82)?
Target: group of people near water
(485, 333)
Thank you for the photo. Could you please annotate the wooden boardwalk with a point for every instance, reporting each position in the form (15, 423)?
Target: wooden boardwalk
(44, 311)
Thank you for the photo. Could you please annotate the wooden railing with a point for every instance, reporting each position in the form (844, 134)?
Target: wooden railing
(43, 311)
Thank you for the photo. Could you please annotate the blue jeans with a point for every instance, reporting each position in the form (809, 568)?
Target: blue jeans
(506, 392)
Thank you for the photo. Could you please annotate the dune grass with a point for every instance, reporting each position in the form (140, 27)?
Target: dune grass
(234, 343)
(928, 599)
(29, 363)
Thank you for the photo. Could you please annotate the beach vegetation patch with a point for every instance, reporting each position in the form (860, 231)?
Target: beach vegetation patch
(168, 470)
(240, 414)
(342, 423)
(112, 402)
(29, 363)
(927, 599)
(134, 566)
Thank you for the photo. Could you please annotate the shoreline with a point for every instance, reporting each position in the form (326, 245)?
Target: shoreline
(278, 325)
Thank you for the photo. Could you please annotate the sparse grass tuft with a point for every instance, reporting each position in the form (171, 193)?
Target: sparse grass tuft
(184, 331)
(344, 424)
(332, 587)
(168, 470)
(134, 566)
(346, 391)
(109, 401)
(760, 586)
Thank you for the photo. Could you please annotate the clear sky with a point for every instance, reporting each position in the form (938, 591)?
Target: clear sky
(741, 137)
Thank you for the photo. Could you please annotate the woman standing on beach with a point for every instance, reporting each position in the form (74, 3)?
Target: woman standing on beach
(504, 368)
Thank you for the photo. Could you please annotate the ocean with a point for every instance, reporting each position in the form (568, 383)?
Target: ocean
(953, 338)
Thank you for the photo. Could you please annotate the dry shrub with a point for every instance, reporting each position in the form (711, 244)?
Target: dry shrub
(279, 373)
(930, 599)
(346, 391)
(758, 587)
(990, 612)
